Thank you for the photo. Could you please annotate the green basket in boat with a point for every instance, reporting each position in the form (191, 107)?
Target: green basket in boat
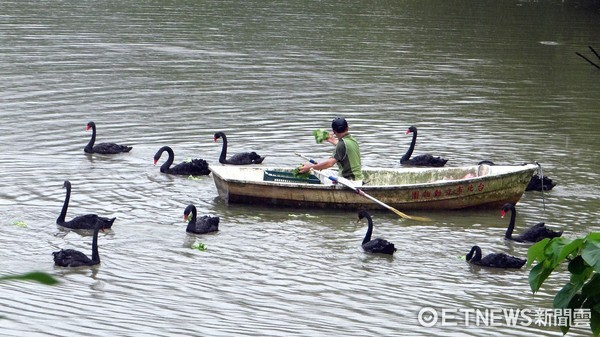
(288, 177)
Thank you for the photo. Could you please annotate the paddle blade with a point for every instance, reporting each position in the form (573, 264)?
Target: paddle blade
(419, 218)
(411, 217)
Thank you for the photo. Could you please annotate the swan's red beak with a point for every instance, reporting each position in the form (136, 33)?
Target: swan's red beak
(155, 160)
(408, 131)
(185, 216)
(502, 214)
(215, 139)
(87, 127)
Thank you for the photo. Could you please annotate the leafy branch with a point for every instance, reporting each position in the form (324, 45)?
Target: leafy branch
(583, 289)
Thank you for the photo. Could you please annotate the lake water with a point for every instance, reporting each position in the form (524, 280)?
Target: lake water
(495, 80)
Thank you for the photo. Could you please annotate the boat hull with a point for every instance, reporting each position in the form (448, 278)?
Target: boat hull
(479, 186)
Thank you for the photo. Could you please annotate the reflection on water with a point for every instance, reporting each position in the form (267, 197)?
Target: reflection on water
(487, 80)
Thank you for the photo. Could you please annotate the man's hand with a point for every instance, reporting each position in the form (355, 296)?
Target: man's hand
(305, 168)
(332, 139)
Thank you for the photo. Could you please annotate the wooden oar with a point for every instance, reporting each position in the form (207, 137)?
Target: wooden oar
(351, 186)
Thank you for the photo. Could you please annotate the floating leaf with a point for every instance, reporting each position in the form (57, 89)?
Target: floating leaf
(462, 257)
(33, 276)
(191, 177)
(19, 223)
(320, 135)
(200, 246)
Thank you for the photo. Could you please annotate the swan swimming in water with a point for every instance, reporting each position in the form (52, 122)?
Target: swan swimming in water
(534, 234)
(202, 225)
(195, 167)
(420, 160)
(376, 245)
(75, 258)
(494, 260)
(103, 148)
(87, 221)
(244, 158)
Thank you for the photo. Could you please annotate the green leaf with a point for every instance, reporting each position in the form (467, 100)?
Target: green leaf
(592, 287)
(200, 246)
(554, 249)
(19, 223)
(595, 236)
(568, 249)
(577, 265)
(297, 173)
(538, 275)
(591, 254)
(320, 135)
(565, 295)
(595, 320)
(536, 252)
(40, 277)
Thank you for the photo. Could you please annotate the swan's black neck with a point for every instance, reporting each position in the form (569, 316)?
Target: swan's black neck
(369, 230)
(63, 212)
(511, 224)
(167, 164)
(411, 148)
(477, 256)
(90, 145)
(192, 221)
(222, 157)
(95, 254)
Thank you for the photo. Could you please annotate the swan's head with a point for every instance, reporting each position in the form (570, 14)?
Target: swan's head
(470, 254)
(362, 214)
(67, 184)
(190, 209)
(160, 152)
(219, 135)
(507, 207)
(89, 125)
(411, 129)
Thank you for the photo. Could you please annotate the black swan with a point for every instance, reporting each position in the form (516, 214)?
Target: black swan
(540, 183)
(534, 234)
(494, 260)
(244, 158)
(420, 160)
(537, 182)
(87, 221)
(75, 258)
(196, 167)
(376, 245)
(104, 148)
(202, 225)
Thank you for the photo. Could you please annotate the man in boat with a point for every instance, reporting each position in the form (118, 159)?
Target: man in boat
(346, 154)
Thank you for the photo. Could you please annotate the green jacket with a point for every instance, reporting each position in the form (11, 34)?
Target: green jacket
(347, 154)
